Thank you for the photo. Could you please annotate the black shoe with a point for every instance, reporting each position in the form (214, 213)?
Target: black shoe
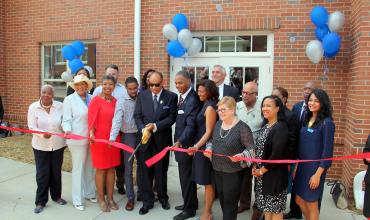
(179, 207)
(121, 190)
(61, 201)
(38, 209)
(291, 215)
(165, 205)
(143, 210)
(184, 215)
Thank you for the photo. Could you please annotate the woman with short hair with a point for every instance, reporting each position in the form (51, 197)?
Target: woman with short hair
(46, 115)
(231, 137)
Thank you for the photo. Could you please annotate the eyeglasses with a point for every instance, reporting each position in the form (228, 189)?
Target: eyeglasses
(155, 85)
(222, 110)
(248, 93)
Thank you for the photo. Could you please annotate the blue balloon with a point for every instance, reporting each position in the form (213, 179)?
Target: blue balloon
(180, 21)
(79, 47)
(319, 16)
(68, 52)
(331, 43)
(75, 65)
(321, 32)
(330, 55)
(175, 49)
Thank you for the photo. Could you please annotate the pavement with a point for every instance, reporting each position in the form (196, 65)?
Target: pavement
(18, 189)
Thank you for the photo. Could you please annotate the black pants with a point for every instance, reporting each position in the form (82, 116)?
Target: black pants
(188, 186)
(158, 172)
(228, 189)
(120, 170)
(246, 188)
(48, 175)
(367, 200)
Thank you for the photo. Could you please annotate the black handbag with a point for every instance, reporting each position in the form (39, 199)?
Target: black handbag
(339, 193)
(3, 132)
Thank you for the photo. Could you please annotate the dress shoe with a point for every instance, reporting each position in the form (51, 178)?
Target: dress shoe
(179, 207)
(38, 209)
(290, 215)
(130, 205)
(184, 215)
(242, 209)
(121, 190)
(143, 210)
(93, 200)
(165, 205)
(79, 207)
(61, 201)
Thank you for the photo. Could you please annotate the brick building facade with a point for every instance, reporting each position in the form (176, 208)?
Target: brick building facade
(27, 25)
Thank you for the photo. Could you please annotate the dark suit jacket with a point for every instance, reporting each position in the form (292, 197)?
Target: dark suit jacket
(185, 123)
(293, 128)
(232, 91)
(164, 117)
(1, 110)
(366, 150)
(275, 180)
(297, 108)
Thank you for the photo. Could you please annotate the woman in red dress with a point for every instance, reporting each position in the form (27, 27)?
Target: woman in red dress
(104, 157)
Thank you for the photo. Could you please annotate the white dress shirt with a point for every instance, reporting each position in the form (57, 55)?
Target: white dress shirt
(221, 91)
(183, 96)
(75, 117)
(39, 120)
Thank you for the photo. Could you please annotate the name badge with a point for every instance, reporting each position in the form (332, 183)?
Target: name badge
(180, 112)
(310, 130)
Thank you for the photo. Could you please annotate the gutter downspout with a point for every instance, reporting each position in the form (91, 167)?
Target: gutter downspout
(137, 36)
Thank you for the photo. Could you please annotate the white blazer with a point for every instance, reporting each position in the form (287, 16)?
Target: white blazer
(75, 118)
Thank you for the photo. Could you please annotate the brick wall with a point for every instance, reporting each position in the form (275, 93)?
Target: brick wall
(111, 24)
(2, 53)
(357, 120)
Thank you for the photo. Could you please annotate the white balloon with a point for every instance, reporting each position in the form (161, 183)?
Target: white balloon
(186, 38)
(336, 21)
(169, 31)
(314, 51)
(67, 76)
(196, 46)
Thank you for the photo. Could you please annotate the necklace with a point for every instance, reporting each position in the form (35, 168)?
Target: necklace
(270, 126)
(44, 106)
(228, 131)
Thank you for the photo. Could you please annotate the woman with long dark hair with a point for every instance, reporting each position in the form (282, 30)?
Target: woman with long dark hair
(272, 144)
(205, 123)
(315, 142)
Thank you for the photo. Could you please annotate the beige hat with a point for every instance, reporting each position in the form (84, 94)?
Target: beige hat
(82, 78)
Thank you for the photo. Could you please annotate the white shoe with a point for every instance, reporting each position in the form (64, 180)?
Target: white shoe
(94, 200)
(79, 207)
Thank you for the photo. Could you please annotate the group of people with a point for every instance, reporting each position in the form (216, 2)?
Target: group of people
(211, 120)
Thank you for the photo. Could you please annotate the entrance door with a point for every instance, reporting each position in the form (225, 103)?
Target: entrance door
(240, 70)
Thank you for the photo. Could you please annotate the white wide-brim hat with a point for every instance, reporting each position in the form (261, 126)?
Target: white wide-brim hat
(82, 78)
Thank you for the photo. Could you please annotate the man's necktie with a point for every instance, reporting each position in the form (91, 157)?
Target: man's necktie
(180, 101)
(155, 103)
(303, 113)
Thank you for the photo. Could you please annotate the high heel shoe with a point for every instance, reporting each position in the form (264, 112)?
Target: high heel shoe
(103, 206)
(113, 205)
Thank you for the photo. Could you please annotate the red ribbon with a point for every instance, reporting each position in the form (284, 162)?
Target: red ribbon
(74, 137)
(153, 160)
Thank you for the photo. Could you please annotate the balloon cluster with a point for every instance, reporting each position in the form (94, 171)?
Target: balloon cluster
(328, 41)
(72, 53)
(181, 40)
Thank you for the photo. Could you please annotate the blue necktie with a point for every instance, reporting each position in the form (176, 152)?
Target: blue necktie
(155, 103)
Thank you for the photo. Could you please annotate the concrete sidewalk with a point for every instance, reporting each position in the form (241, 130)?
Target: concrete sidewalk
(18, 187)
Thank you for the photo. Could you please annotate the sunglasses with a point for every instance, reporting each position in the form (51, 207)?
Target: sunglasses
(155, 85)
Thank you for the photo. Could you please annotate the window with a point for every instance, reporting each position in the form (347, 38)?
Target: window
(234, 43)
(197, 74)
(53, 65)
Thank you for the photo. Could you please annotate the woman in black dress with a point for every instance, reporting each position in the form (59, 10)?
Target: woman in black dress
(205, 123)
(272, 144)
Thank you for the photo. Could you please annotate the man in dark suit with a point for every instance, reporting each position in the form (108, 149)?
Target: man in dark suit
(187, 110)
(367, 181)
(218, 76)
(155, 111)
(299, 109)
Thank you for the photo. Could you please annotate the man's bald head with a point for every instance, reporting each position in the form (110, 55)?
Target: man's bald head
(249, 93)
